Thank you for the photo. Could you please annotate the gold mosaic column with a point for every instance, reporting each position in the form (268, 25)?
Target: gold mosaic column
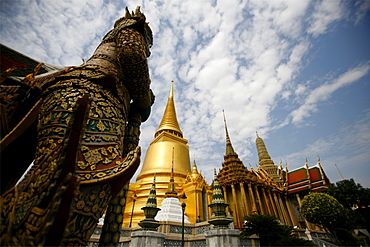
(244, 198)
(236, 214)
(259, 199)
(254, 208)
(268, 204)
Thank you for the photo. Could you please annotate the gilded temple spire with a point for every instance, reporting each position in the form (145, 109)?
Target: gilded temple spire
(171, 191)
(169, 121)
(229, 146)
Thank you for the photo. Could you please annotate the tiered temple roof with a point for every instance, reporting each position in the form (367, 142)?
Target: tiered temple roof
(306, 179)
(233, 170)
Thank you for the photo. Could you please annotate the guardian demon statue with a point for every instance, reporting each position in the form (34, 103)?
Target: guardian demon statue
(88, 120)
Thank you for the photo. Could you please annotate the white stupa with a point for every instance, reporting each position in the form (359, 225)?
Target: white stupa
(171, 209)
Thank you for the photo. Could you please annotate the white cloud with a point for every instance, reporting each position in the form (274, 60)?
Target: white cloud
(325, 13)
(324, 91)
(363, 9)
(241, 56)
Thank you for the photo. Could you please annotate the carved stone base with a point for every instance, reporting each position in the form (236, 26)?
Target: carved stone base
(222, 238)
(147, 238)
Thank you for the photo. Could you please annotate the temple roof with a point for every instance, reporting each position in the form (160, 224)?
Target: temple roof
(233, 169)
(24, 65)
(306, 179)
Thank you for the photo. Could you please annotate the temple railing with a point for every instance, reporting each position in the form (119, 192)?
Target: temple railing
(194, 235)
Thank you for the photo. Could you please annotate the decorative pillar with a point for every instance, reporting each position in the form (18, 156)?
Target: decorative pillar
(244, 199)
(226, 198)
(273, 204)
(197, 204)
(259, 199)
(290, 210)
(254, 208)
(237, 212)
(280, 213)
(209, 201)
(268, 204)
(284, 211)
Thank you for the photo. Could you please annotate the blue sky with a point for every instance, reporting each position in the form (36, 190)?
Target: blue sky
(298, 72)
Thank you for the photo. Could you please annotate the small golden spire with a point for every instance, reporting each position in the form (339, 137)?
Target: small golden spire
(171, 191)
(194, 168)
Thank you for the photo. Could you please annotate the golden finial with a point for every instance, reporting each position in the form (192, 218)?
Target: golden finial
(229, 147)
(194, 168)
(171, 90)
(227, 133)
(340, 172)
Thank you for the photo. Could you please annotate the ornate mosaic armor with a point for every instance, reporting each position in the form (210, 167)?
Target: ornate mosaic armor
(88, 131)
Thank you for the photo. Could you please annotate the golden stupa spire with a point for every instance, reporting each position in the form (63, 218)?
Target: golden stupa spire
(171, 191)
(169, 121)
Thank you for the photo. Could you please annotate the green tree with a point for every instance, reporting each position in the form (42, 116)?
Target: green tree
(350, 194)
(271, 232)
(324, 210)
(356, 199)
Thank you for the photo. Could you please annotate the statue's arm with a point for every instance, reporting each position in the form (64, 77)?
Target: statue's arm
(134, 64)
